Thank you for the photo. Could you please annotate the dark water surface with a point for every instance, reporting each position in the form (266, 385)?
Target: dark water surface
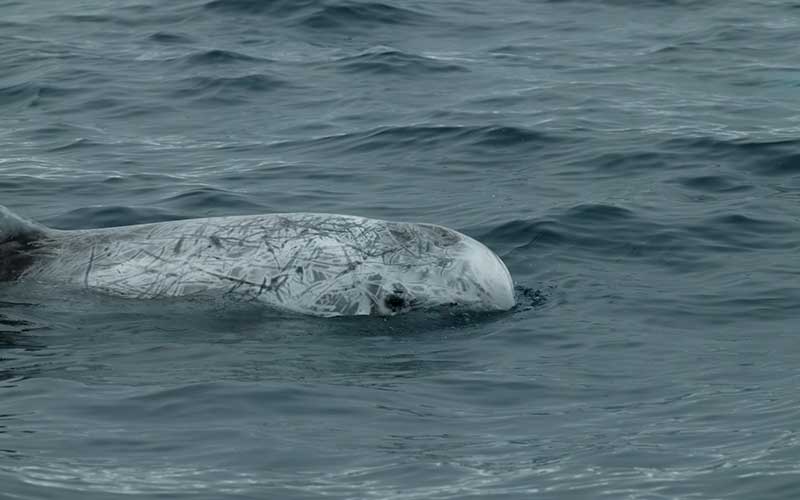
(636, 163)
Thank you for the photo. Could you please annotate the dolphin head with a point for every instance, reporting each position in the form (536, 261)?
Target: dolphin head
(437, 266)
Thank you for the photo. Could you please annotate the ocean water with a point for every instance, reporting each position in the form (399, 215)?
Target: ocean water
(636, 164)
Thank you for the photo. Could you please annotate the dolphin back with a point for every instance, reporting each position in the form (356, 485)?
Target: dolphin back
(14, 227)
(18, 242)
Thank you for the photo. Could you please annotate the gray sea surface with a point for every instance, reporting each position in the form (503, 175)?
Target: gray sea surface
(636, 164)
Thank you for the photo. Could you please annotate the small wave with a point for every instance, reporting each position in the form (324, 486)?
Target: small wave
(88, 18)
(103, 103)
(394, 62)
(644, 3)
(10, 339)
(35, 94)
(642, 161)
(201, 201)
(111, 107)
(741, 222)
(600, 232)
(110, 216)
(739, 232)
(368, 14)
(10, 24)
(140, 179)
(127, 16)
(714, 183)
(58, 130)
(785, 164)
(16, 93)
(723, 146)
(405, 136)
(522, 233)
(769, 158)
(504, 136)
(279, 7)
(226, 88)
(102, 19)
(217, 56)
(169, 38)
(427, 136)
(79, 143)
(593, 213)
(614, 233)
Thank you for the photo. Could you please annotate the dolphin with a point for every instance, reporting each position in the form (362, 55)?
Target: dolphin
(309, 263)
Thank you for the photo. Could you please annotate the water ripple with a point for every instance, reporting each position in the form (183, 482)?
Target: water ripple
(227, 88)
(279, 7)
(218, 56)
(349, 15)
(394, 62)
(170, 38)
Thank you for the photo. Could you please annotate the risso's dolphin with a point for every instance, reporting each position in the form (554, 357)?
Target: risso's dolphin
(318, 264)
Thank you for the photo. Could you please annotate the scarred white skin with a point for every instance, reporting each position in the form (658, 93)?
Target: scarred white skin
(318, 264)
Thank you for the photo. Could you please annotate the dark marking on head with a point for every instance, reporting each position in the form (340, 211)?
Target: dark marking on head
(299, 269)
(440, 236)
(278, 281)
(401, 232)
(215, 241)
(444, 262)
(399, 299)
(394, 302)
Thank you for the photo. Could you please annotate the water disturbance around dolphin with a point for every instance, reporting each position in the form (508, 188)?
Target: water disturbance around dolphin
(318, 264)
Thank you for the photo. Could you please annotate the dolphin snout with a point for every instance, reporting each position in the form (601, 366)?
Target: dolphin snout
(491, 276)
